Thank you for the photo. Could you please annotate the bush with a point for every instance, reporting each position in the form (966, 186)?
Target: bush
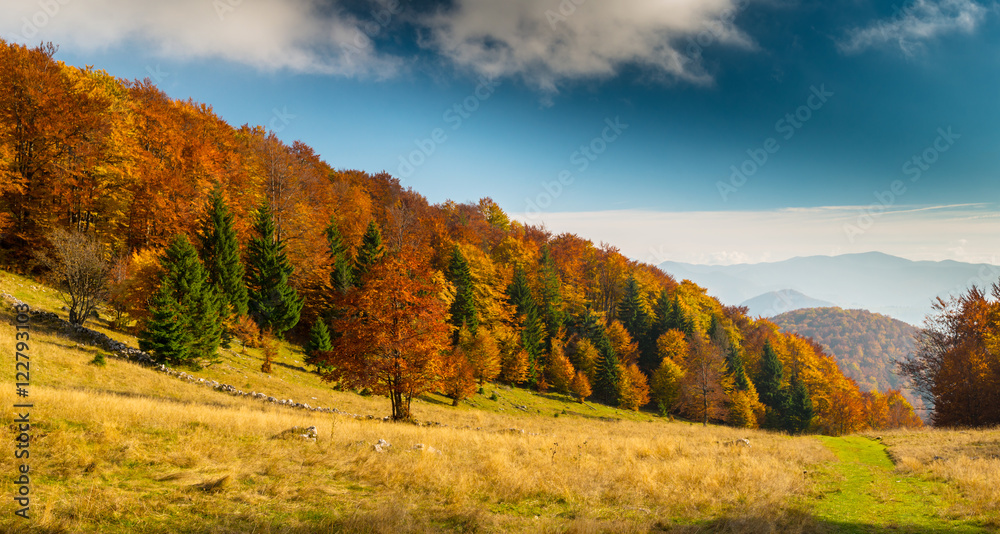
(99, 360)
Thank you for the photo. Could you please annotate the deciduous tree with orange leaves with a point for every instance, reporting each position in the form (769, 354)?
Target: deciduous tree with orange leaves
(956, 364)
(394, 331)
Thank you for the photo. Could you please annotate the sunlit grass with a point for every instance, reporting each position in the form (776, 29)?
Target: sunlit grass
(122, 448)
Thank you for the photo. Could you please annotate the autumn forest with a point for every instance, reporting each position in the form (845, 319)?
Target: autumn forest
(219, 235)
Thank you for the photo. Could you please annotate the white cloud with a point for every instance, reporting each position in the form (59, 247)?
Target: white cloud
(728, 237)
(272, 35)
(551, 41)
(916, 23)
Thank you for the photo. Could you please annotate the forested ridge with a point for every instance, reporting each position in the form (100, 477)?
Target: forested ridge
(865, 344)
(212, 234)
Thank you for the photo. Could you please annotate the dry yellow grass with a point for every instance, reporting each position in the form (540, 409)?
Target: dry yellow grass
(110, 460)
(969, 460)
(123, 448)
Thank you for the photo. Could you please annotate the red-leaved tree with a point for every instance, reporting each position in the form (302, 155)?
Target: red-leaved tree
(394, 332)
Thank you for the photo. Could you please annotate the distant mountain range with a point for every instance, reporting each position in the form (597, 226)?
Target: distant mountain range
(775, 302)
(897, 287)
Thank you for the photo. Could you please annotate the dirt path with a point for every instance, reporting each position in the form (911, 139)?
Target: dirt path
(862, 492)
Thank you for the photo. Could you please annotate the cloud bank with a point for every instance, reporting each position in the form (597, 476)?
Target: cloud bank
(957, 232)
(302, 36)
(909, 27)
(551, 41)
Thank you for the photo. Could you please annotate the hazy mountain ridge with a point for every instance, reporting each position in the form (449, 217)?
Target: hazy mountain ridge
(897, 287)
(776, 302)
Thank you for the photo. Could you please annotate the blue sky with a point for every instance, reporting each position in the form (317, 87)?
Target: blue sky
(712, 131)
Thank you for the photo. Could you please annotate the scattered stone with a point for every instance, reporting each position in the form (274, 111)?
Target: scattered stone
(381, 446)
(122, 351)
(297, 432)
(420, 447)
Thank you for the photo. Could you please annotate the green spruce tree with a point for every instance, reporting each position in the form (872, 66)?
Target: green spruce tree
(463, 310)
(532, 328)
(800, 408)
(319, 341)
(220, 252)
(185, 294)
(734, 363)
(165, 336)
(550, 297)
(769, 388)
(371, 251)
(608, 369)
(342, 272)
(679, 320)
(663, 314)
(633, 316)
(274, 304)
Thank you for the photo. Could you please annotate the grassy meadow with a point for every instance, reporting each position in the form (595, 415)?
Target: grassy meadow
(120, 449)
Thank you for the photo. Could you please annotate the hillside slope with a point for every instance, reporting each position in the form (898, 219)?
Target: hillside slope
(865, 344)
(123, 448)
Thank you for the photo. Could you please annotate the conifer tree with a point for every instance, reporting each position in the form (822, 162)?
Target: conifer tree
(371, 251)
(769, 379)
(165, 336)
(550, 297)
(734, 362)
(800, 408)
(319, 340)
(532, 332)
(342, 272)
(637, 322)
(186, 299)
(220, 252)
(678, 319)
(608, 368)
(463, 309)
(274, 304)
(769, 389)
(663, 314)
(631, 312)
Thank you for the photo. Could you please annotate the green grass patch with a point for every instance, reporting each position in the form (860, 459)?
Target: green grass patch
(863, 492)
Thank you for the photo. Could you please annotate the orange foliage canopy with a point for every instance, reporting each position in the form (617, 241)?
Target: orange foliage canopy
(394, 332)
